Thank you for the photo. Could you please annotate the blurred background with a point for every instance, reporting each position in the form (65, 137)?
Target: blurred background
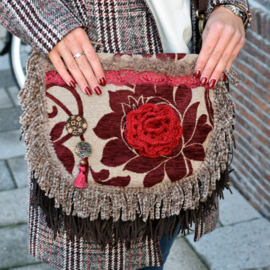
(241, 240)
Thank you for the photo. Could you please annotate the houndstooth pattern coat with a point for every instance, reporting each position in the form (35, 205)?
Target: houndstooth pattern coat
(125, 26)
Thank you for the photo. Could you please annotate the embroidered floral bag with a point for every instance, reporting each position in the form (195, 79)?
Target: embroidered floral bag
(149, 153)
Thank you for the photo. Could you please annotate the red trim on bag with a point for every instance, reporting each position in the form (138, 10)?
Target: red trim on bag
(132, 77)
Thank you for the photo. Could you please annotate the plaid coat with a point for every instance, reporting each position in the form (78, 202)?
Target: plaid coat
(125, 26)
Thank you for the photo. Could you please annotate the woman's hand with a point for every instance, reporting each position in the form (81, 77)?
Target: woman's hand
(86, 69)
(223, 37)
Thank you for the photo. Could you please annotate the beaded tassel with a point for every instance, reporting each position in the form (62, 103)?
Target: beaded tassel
(80, 181)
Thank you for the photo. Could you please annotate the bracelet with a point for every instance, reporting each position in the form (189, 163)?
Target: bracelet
(237, 11)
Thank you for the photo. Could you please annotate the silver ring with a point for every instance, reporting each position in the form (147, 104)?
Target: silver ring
(78, 55)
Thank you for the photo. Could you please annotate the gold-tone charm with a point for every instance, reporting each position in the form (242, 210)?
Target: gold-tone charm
(76, 125)
(83, 149)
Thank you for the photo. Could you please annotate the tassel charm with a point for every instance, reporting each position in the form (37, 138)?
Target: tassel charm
(83, 150)
(80, 181)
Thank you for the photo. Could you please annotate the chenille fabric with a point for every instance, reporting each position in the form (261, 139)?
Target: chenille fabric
(114, 162)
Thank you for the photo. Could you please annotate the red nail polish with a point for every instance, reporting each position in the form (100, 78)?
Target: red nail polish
(72, 83)
(197, 74)
(212, 83)
(102, 81)
(97, 90)
(203, 81)
(88, 91)
(224, 77)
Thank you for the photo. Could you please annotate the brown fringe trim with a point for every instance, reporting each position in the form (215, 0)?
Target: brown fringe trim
(108, 231)
(182, 199)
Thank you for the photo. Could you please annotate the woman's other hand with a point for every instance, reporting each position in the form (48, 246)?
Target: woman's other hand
(223, 37)
(86, 69)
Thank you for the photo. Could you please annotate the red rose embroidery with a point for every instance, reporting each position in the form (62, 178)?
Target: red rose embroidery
(147, 154)
(153, 130)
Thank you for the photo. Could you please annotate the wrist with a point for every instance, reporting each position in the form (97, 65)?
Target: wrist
(243, 6)
(236, 10)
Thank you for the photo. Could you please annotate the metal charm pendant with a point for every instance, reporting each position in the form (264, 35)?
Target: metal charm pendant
(83, 149)
(76, 125)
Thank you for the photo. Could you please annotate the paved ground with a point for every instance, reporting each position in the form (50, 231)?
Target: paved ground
(241, 241)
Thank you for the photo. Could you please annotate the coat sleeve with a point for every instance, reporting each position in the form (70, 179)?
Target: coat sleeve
(244, 4)
(39, 23)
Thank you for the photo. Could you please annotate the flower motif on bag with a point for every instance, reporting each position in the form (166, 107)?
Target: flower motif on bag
(154, 130)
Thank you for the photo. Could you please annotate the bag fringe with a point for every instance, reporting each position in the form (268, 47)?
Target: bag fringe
(107, 231)
(132, 210)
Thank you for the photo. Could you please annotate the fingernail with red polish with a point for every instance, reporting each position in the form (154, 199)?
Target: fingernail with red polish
(224, 77)
(72, 83)
(197, 74)
(102, 81)
(203, 81)
(97, 90)
(212, 83)
(88, 91)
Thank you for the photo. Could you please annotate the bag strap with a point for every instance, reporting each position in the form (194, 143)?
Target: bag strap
(200, 5)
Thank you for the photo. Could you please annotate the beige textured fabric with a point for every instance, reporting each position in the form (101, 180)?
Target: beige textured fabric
(95, 107)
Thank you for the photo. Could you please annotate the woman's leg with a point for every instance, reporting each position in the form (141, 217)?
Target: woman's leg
(166, 245)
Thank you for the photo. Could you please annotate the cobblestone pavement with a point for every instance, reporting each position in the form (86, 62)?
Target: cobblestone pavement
(241, 241)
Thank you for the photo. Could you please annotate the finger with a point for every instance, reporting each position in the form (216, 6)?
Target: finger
(218, 53)
(210, 39)
(94, 62)
(88, 73)
(220, 57)
(227, 59)
(75, 70)
(236, 51)
(82, 61)
(61, 69)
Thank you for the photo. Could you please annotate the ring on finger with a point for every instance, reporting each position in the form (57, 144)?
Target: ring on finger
(78, 55)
